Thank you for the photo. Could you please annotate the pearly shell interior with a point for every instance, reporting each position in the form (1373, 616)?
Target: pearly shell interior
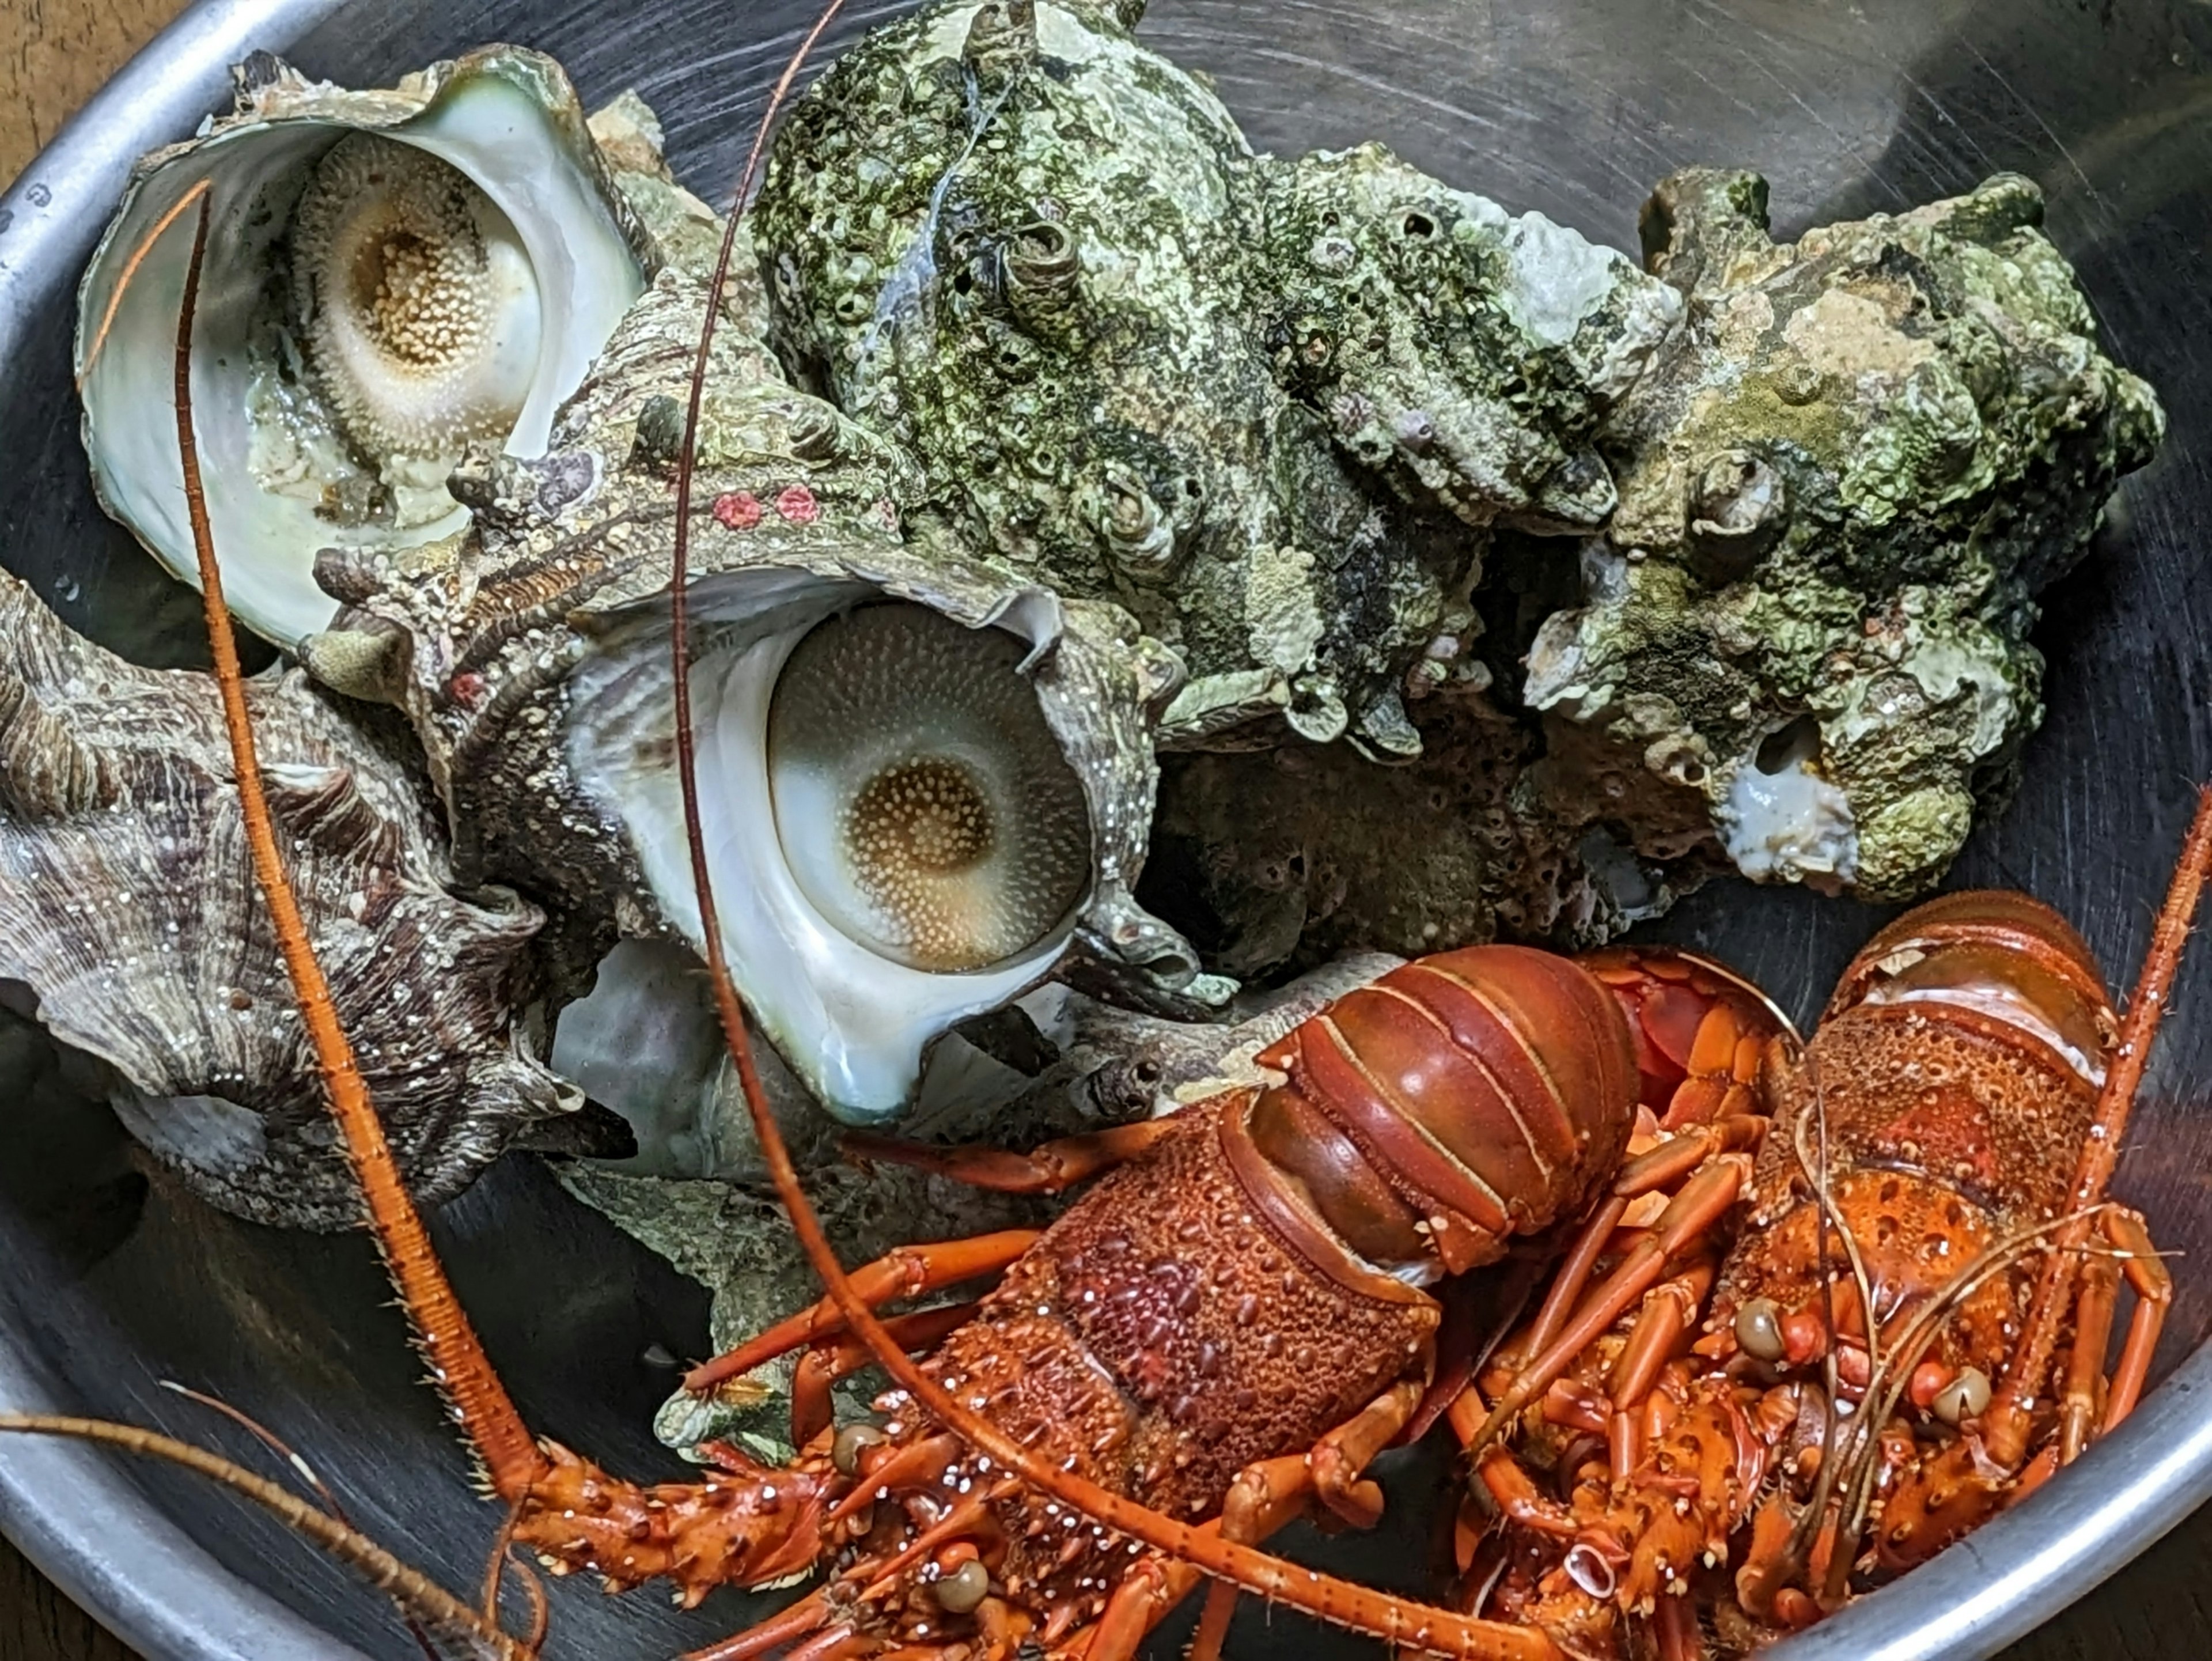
(286, 474)
(851, 976)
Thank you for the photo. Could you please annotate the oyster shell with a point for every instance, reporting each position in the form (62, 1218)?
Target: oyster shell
(392, 278)
(1838, 500)
(927, 785)
(130, 926)
(1138, 363)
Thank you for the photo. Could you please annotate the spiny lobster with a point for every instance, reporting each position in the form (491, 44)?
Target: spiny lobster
(1880, 1348)
(1019, 1524)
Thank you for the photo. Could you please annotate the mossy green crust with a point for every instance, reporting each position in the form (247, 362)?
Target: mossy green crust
(1267, 407)
(1838, 498)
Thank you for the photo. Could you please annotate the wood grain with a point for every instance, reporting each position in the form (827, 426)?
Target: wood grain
(53, 54)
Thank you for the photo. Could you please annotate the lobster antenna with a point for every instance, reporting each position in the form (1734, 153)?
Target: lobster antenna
(268, 1439)
(307, 1473)
(414, 1593)
(458, 1364)
(2007, 1416)
(1412, 1626)
(130, 270)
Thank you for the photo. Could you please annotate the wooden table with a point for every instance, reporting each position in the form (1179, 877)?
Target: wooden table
(53, 54)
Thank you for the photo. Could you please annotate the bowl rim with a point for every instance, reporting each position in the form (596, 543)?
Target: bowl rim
(72, 1512)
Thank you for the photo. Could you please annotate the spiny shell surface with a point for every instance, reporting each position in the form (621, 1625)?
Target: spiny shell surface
(129, 912)
(1837, 503)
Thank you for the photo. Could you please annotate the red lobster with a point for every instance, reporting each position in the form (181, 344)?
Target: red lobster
(1909, 1333)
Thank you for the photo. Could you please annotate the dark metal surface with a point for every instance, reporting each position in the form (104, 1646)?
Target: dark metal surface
(1570, 106)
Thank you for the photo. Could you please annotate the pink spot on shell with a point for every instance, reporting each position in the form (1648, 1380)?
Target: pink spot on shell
(739, 510)
(468, 688)
(797, 504)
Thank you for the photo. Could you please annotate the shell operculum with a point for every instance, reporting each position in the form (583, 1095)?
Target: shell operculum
(391, 278)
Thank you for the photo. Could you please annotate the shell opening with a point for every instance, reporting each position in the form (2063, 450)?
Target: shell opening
(423, 321)
(881, 795)
(924, 804)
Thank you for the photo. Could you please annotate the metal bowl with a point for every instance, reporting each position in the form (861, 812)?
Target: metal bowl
(110, 1281)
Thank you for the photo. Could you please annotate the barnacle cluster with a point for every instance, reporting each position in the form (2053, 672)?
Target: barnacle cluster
(1120, 562)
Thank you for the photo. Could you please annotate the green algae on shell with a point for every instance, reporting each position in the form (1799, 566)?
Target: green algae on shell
(1133, 359)
(1838, 499)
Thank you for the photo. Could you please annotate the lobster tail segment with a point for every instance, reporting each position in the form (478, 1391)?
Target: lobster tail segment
(2000, 956)
(1487, 1090)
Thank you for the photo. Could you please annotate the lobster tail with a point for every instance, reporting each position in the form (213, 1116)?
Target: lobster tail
(2004, 956)
(1464, 1098)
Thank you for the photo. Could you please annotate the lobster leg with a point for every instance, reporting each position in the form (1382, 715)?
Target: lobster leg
(829, 1359)
(2154, 1289)
(1047, 1168)
(2078, 1401)
(1574, 1277)
(2082, 1416)
(910, 1272)
(1690, 1215)
(1265, 1495)
(1651, 1171)
(1668, 1311)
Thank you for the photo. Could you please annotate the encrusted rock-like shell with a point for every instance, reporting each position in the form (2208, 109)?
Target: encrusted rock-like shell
(1138, 363)
(532, 656)
(130, 920)
(1837, 501)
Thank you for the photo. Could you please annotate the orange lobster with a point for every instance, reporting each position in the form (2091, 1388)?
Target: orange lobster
(1926, 1231)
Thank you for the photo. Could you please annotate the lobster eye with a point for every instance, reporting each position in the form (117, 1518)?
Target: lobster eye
(1758, 1330)
(924, 804)
(1966, 1396)
(852, 1441)
(961, 1590)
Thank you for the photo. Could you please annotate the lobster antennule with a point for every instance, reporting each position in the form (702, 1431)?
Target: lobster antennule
(458, 1364)
(416, 1595)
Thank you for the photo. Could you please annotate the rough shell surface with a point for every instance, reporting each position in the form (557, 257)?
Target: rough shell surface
(1838, 499)
(1237, 395)
(545, 628)
(130, 916)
